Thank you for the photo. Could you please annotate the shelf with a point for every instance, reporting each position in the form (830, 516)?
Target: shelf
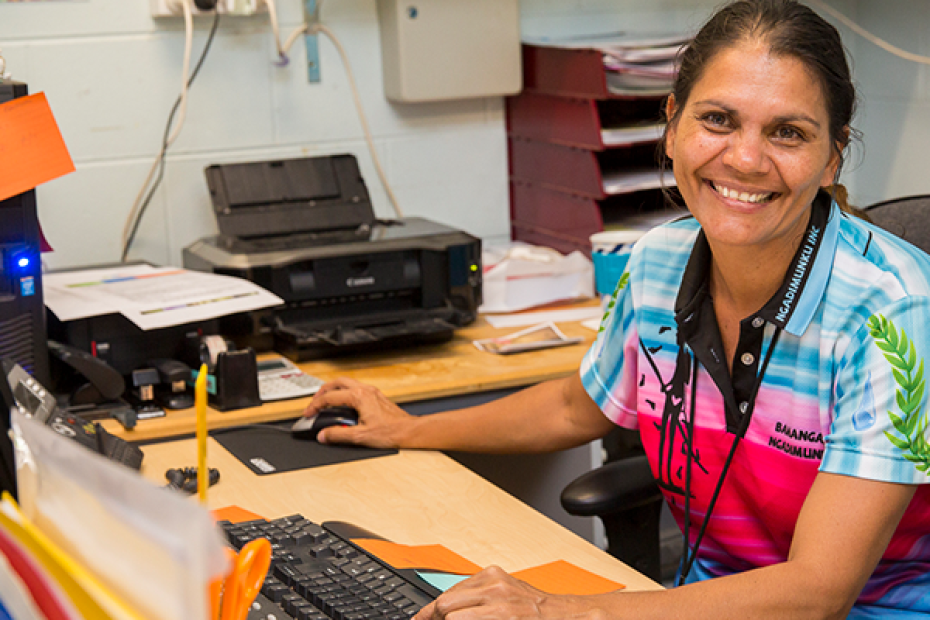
(566, 221)
(589, 173)
(581, 157)
(584, 123)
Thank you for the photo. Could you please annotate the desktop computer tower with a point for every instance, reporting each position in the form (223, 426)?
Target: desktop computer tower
(22, 311)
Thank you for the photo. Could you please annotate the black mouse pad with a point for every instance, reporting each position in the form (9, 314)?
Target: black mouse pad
(271, 449)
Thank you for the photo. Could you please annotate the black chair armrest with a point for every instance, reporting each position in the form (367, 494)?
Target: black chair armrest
(620, 485)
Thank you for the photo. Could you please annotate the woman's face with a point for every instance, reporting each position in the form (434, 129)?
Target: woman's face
(751, 148)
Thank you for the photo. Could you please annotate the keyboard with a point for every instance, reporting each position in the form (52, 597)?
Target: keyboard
(317, 573)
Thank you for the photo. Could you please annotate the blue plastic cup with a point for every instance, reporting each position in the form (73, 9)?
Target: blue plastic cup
(610, 251)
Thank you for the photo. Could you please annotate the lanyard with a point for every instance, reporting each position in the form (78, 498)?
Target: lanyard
(690, 555)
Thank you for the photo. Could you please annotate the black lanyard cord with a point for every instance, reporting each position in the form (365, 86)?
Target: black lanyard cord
(690, 555)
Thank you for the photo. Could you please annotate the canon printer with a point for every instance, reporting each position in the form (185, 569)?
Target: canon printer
(305, 230)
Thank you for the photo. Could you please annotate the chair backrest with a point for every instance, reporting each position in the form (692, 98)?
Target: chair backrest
(908, 218)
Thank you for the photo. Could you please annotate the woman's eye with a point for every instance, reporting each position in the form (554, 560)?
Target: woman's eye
(788, 133)
(715, 119)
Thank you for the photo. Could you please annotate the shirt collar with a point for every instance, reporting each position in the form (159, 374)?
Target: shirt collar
(794, 304)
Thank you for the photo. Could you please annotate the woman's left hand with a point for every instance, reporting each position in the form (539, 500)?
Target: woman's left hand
(492, 593)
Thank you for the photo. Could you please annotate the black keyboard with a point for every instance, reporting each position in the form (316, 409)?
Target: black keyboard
(317, 573)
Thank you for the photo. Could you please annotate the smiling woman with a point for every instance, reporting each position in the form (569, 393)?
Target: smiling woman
(769, 350)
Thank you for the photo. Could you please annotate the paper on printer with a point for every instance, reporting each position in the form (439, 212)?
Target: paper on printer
(151, 297)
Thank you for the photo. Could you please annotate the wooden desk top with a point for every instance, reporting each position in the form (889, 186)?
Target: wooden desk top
(453, 368)
(414, 497)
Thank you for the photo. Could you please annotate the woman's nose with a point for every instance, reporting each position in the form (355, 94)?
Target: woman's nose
(746, 153)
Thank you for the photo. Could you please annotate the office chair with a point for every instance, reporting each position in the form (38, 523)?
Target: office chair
(623, 493)
(908, 218)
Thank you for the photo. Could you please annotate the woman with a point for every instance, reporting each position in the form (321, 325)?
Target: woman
(769, 349)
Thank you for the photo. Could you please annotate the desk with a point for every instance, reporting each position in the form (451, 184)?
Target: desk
(431, 378)
(413, 497)
(451, 369)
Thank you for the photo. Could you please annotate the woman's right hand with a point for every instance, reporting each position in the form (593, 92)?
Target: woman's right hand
(381, 423)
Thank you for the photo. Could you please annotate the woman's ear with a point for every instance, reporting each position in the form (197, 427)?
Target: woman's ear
(670, 127)
(836, 159)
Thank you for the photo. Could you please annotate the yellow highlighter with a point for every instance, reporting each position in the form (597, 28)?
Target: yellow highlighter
(200, 404)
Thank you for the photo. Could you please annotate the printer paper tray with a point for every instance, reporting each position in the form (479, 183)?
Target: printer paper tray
(302, 341)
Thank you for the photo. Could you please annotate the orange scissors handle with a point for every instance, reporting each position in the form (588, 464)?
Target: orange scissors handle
(245, 581)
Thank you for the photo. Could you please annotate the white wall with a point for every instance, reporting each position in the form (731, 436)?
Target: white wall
(111, 73)
(895, 107)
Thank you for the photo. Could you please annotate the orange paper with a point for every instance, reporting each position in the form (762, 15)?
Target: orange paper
(234, 514)
(561, 577)
(31, 148)
(423, 557)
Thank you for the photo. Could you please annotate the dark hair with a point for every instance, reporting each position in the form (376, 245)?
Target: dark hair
(789, 29)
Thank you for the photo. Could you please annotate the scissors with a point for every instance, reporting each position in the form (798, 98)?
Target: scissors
(245, 581)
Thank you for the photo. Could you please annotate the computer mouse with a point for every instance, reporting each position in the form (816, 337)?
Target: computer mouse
(339, 415)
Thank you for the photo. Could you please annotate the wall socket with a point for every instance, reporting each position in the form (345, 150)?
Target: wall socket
(172, 8)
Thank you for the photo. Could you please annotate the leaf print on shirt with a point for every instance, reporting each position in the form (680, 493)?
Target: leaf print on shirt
(913, 423)
(621, 284)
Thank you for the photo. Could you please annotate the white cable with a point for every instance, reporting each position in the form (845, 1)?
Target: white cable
(292, 38)
(273, 17)
(865, 34)
(361, 114)
(3, 73)
(182, 113)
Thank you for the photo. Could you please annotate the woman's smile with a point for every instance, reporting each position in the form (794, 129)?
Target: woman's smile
(750, 149)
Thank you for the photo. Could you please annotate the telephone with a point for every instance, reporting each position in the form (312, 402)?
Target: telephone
(33, 399)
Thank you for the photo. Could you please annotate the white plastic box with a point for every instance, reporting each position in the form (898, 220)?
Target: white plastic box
(434, 50)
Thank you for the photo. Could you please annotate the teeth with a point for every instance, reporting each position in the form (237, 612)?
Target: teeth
(742, 196)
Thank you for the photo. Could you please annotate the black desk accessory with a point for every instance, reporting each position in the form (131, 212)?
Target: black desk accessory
(270, 448)
(185, 479)
(233, 373)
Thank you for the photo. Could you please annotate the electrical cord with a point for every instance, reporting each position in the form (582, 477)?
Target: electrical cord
(273, 17)
(317, 27)
(865, 34)
(185, 479)
(139, 211)
(3, 72)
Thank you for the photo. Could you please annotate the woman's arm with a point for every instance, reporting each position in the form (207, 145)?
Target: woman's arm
(842, 532)
(549, 416)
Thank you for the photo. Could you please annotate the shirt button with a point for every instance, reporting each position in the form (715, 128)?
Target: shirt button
(743, 407)
(747, 359)
(758, 322)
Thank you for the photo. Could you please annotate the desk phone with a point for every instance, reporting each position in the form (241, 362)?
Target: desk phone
(34, 400)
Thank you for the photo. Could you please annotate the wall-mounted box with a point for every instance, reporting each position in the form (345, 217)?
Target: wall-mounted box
(434, 50)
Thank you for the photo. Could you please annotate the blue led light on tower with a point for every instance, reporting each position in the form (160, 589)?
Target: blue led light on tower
(23, 337)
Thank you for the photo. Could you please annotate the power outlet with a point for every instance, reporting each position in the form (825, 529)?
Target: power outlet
(172, 8)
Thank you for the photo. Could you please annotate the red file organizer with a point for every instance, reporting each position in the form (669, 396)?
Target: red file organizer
(568, 163)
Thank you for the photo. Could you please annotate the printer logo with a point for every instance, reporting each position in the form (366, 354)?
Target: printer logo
(354, 282)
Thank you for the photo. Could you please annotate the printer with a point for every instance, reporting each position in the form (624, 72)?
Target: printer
(305, 230)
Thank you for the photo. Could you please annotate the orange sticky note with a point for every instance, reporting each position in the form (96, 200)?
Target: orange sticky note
(235, 514)
(32, 150)
(561, 577)
(424, 557)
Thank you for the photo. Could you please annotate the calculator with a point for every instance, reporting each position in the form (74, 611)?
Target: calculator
(279, 379)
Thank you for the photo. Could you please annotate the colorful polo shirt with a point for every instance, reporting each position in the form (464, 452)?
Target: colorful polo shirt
(828, 376)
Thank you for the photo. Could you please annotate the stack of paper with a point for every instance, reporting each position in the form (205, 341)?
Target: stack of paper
(637, 64)
(642, 65)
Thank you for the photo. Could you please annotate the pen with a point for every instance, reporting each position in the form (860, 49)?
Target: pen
(200, 403)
